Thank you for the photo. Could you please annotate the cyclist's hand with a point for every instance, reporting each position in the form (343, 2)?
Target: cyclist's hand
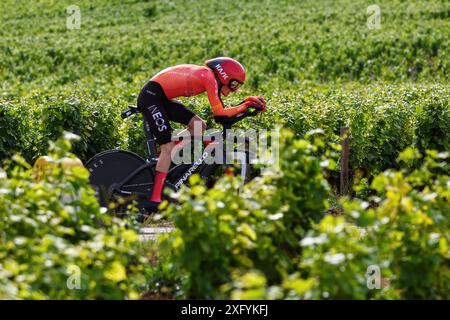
(257, 100)
(260, 108)
(257, 103)
(262, 99)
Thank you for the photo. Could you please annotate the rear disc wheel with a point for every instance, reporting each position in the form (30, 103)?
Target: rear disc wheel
(111, 167)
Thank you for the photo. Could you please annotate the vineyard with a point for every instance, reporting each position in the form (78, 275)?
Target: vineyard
(292, 234)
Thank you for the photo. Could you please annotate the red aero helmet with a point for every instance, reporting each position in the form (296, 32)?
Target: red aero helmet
(227, 69)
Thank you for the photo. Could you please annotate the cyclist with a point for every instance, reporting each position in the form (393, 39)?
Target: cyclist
(219, 77)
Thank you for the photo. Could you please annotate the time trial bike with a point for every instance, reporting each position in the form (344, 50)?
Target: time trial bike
(124, 174)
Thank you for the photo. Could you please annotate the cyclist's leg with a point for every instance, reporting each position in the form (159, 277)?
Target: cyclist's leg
(196, 126)
(151, 102)
(179, 113)
(162, 167)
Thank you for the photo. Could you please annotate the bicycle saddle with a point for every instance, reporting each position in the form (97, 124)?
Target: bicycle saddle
(130, 111)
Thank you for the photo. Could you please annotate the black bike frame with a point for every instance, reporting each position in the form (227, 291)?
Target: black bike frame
(150, 165)
(152, 155)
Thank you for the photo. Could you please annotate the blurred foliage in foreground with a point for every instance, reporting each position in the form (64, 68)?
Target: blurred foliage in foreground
(53, 231)
(268, 242)
(271, 240)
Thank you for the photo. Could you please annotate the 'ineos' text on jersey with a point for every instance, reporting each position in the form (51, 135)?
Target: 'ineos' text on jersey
(157, 116)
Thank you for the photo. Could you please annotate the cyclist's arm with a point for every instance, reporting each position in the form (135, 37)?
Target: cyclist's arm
(218, 109)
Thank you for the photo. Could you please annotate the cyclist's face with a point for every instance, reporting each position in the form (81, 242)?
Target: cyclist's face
(225, 90)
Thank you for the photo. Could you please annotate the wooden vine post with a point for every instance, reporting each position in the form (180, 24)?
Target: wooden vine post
(344, 161)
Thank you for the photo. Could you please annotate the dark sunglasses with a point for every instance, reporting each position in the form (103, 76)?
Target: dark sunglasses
(234, 84)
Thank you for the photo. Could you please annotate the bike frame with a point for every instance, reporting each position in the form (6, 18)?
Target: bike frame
(196, 167)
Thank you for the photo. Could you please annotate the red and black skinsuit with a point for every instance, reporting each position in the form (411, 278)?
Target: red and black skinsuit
(158, 107)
